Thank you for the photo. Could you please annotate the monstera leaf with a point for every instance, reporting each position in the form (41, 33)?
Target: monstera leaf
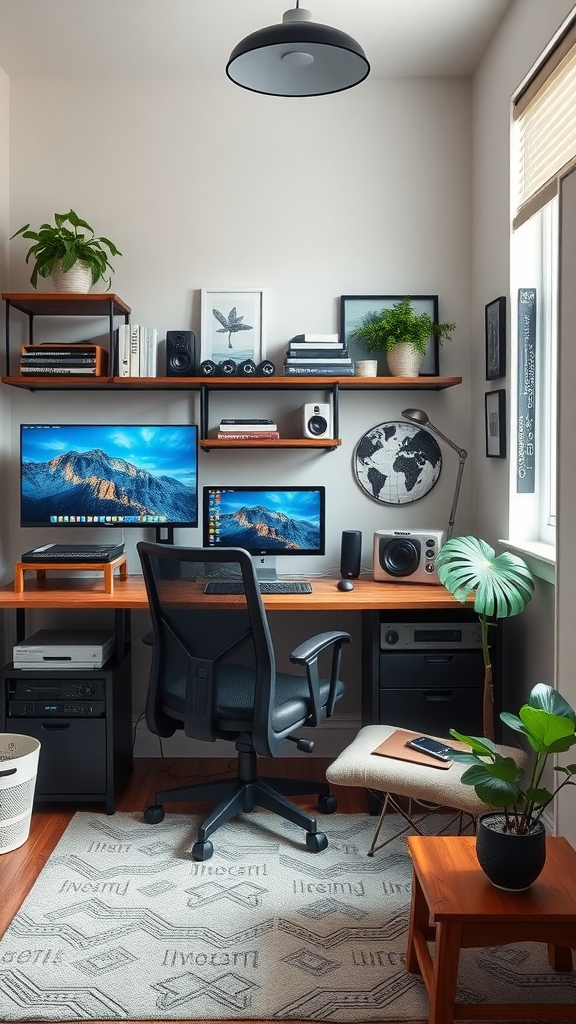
(502, 586)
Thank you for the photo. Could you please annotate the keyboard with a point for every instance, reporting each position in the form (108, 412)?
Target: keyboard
(264, 586)
(73, 553)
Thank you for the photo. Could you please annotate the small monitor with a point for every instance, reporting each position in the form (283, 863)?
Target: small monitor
(108, 475)
(265, 521)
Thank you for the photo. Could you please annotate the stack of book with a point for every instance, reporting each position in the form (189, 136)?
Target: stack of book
(137, 351)
(248, 430)
(74, 360)
(322, 355)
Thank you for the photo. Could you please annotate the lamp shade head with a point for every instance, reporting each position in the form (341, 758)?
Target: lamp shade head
(416, 416)
(299, 57)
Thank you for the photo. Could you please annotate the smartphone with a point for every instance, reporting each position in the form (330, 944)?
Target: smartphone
(434, 748)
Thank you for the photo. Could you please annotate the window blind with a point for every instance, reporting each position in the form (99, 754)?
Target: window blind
(545, 115)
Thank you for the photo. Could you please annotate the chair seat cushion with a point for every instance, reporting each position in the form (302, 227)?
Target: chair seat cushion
(235, 700)
(358, 766)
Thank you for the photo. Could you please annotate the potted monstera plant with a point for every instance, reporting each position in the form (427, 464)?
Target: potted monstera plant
(511, 842)
(502, 586)
(402, 334)
(64, 251)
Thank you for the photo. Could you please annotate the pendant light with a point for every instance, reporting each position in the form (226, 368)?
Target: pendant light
(297, 58)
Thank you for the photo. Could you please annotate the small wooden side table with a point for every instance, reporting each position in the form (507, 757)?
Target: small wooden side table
(41, 568)
(456, 907)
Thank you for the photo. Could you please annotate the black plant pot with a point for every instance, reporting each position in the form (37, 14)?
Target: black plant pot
(510, 861)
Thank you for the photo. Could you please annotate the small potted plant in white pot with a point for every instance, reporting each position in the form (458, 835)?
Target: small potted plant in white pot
(63, 251)
(402, 334)
(511, 842)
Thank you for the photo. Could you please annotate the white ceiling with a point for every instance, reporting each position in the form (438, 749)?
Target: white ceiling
(193, 38)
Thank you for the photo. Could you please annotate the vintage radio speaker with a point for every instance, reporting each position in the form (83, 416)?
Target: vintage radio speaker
(317, 420)
(407, 556)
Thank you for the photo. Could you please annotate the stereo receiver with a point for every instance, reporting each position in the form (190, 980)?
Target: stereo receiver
(429, 636)
(56, 708)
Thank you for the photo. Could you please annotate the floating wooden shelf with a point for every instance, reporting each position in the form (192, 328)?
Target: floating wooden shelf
(232, 384)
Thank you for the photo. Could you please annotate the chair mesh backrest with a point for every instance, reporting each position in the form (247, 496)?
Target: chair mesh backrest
(197, 637)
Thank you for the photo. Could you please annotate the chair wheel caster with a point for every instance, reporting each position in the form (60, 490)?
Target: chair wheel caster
(327, 804)
(202, 851)
(316, 841)
(154, 814)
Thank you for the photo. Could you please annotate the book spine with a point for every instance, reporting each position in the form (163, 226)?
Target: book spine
(38, 352)
(318, 371)
(247, 426)
(244, 421)
(42, 371)
(295, 360)
(135, 350)
(59, 361)
(316, 353)
(151, 349)
(124, 350)
(249, 435)
(331, 339)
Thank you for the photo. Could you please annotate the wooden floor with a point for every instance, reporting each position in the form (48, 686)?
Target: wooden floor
(20, 868)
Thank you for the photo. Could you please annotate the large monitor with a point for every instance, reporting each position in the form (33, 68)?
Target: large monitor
(266, 521)
(108, 475)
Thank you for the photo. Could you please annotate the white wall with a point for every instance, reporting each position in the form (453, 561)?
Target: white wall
(206, 185)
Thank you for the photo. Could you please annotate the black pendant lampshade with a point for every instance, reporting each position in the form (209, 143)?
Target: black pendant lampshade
(297, 58)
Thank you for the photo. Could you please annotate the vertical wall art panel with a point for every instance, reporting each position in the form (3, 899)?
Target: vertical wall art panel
(526, 455)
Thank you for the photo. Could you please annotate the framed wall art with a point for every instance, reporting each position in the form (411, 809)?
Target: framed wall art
(354, 307)
(397, 462)
(232, 324)
(495, 419)
(495, 336)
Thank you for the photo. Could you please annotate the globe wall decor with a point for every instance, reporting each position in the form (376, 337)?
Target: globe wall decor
(397, 462)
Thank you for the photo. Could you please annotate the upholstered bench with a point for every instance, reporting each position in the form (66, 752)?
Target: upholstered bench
(424, 785)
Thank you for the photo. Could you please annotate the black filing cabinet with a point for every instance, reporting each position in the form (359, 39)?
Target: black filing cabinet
(83, 720)
(424, 670)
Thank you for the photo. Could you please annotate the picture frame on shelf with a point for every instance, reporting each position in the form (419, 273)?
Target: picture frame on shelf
(495, 422)
(354, 307)
(232, 324)
(495, 337)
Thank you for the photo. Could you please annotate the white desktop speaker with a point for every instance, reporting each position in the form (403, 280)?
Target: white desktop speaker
(317, 420)
(407, 556)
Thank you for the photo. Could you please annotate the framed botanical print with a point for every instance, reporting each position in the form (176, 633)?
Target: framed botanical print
(232, 324)
(354, 307)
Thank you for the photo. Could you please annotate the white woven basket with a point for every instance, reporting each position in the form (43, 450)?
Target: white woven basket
(77, 279)
(18, 768)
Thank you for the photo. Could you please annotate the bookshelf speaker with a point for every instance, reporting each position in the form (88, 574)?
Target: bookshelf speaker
(350, 554)
(180, 353)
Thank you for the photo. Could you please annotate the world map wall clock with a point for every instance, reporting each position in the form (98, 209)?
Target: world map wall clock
(397, 462)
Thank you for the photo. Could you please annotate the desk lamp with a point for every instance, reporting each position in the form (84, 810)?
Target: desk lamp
(421, 418)
(299, 57)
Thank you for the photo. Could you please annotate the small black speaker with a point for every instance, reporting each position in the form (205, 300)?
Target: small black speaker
(227, 368)
(247, 368)
(180, 353)
(266, 368)
(208, 368)
(350, 554)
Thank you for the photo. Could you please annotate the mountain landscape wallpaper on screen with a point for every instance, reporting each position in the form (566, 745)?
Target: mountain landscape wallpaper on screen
(93, 483)
(257, 526)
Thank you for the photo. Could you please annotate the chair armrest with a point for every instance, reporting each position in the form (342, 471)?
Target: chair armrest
(315, 645)
(307, 654)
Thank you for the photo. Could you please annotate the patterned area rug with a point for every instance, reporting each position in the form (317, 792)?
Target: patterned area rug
(123, 925)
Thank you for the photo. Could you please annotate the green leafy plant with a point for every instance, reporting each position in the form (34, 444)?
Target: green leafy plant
(65, 240)
(502, 586)
(382, 330)
(548, 722)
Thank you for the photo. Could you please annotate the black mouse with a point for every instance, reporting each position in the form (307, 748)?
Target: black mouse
(345, 585)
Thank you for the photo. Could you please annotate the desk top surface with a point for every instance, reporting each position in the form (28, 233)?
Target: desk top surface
(88, 592)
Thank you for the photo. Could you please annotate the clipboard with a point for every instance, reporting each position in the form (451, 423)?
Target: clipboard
(395, 746)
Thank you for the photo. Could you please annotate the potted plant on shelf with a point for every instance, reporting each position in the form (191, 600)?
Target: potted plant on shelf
(402, 334)
(502, 586)
(63, 250)
(511, 843)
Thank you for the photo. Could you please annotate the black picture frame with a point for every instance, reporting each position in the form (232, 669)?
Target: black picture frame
(353, 307)
(495, 423)
(495, 336)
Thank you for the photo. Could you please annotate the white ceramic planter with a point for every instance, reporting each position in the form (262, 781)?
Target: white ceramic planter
(77, 279)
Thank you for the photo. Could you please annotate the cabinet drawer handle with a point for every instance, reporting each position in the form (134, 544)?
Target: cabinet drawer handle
(438, 694)
(438, 659)
(55, 726)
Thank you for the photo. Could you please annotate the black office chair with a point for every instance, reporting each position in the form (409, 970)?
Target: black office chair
(213, 675)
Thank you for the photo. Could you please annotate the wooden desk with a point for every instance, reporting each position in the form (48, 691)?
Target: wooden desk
(456, 907)
(131, 594)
